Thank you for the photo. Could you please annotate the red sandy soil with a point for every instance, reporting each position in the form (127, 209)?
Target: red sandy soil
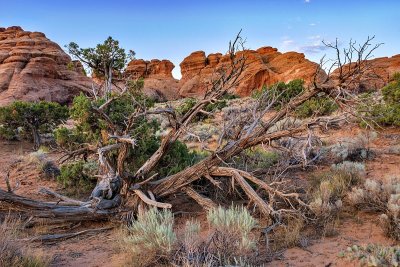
(97, 250)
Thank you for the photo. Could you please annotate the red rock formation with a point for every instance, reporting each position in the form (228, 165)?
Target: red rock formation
(157, 75)
(34, 68)
(265, 67)
(380, 71)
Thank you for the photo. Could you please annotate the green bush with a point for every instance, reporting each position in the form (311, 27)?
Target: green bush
(68, 138)
(283, 92)
(92, 128)
(386, 112)
(255, 158)
(316, 106)
(150, 237)
(189, 103)
(177, 159)
(78, 176)
(31, 119)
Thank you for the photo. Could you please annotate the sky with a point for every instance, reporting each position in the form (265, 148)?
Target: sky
(173, 29)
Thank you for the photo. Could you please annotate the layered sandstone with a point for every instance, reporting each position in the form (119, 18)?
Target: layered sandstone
(158, 80)
(265, 66)
(378, 72)
(34, 68)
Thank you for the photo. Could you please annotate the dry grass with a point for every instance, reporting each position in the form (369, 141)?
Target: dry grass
(374, 255)
(13, 252)
(151, 240)
(328, 190)
(381, 197)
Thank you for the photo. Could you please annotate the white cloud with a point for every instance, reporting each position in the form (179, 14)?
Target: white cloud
(314, 46)
(307, 1)
(312, 24)
(287, 42)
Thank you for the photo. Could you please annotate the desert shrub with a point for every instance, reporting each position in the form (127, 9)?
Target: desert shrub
(381, 197)
(351, 169)
(328, 190)
(316, 106)
(78, 176)
(177, 158)
(232, 228)
(374, 255)
(68, 138)
(353, 149)
(288, 233)
(91, 128)
(385, 112)
(202, 130)
(283, 92)
(14, 252)
(186, 105)
(189, 103)
(29, 119)
(43, 164)
(150, 239)
(255, 158)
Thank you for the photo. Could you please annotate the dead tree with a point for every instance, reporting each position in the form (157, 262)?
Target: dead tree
(118, 190)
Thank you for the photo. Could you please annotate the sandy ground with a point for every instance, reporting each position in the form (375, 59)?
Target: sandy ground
(97, 250)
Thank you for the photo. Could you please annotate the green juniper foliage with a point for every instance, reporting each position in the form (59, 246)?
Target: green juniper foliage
(189, 103)
(316, 106)
(319, 105)
(103, 57)
(31, 119)
(92, 128)
(387, 111)
(78, 176)
(283, 91)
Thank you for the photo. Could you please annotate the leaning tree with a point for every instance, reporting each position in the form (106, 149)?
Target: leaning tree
(120, 189)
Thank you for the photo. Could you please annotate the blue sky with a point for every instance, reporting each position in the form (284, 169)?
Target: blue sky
(173, 29)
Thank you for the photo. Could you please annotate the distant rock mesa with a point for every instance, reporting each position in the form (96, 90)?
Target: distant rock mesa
(34, 68)
(265, 66)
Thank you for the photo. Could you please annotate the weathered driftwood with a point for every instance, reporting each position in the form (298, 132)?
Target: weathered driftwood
(49, 210)
(201, 200)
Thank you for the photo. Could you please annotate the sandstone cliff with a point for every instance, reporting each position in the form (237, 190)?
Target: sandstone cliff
(34, 68)
(266, 66)
(157, 75)
(380, 70)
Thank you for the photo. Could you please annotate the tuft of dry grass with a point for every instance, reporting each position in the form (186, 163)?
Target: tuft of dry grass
(373, 255)
(13, 252)
(151, 240)
(328, 191)
(381, 197)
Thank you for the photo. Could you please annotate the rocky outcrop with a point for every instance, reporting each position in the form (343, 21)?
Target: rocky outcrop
(379, 72)
(34, 68)
(158, 80)
(265, 66)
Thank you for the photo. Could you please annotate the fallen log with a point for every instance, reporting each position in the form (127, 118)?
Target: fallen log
(41, 209)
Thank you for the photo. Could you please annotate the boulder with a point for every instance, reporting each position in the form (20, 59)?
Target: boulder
(34, 68)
